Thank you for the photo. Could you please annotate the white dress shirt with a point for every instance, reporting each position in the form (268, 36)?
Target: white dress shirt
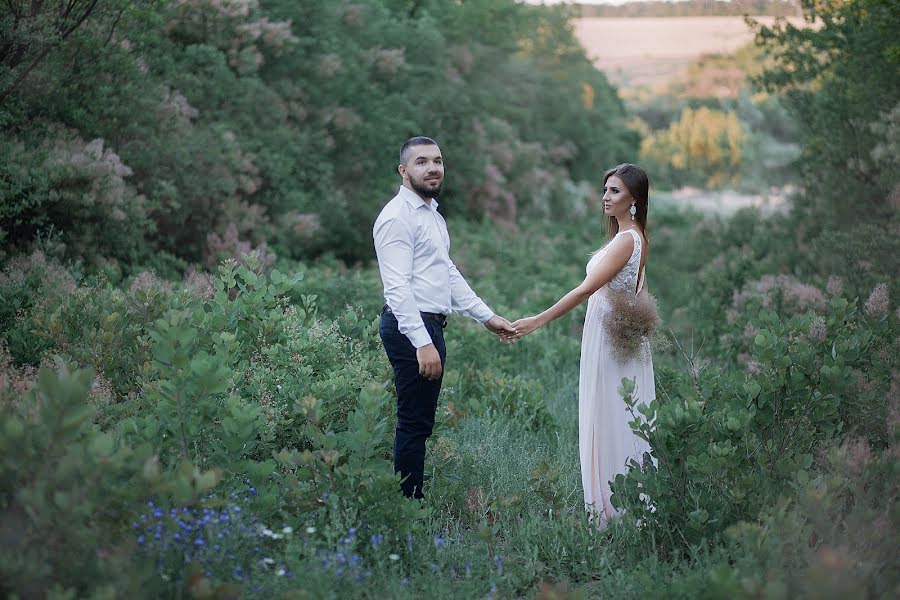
(413, 249)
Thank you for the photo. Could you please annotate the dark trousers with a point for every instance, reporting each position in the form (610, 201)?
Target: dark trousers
(416, 400)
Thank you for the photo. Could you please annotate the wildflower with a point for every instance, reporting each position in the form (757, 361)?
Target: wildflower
(499, 562)
(310, 530)
(438, 542)
(404, 581)
(376, 540)
(409, 542)
(394, 556)
(268, 561)
(878, 303)
(817, 329)
(835, 285)
(280, 572)
(287, 530)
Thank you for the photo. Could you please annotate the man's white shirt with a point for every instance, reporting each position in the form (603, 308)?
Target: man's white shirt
(413, 248)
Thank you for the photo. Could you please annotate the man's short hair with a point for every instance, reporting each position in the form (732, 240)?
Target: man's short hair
(411, 143)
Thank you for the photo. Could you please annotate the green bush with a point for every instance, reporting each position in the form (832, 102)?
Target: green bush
(66, 494)
(725, 444)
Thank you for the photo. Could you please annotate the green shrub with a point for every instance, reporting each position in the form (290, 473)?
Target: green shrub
(727, 444)
(66, 494)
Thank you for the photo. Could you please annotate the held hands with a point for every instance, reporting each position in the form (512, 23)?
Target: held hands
(526, 326)
(502, 328)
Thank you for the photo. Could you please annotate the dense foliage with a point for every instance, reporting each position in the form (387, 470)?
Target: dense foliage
(841, 79)
(159, 133)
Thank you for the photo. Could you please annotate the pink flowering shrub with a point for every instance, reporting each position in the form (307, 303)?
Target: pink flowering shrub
(230, 246)
(780, 292)
(79, 191)
(30, 284)
(15, 381)
(879, 303)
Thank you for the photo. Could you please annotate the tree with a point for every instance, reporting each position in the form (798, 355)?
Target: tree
(841, 79)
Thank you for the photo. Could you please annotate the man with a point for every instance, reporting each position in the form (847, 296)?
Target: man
(421, 287)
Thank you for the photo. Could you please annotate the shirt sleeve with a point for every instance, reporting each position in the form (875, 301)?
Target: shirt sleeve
(394, 248)
(464, 300)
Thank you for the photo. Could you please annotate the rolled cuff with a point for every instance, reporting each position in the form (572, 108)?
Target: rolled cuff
(419, 337)
(481, 313)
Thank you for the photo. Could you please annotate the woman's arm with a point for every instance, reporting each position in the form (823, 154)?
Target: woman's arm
(616, 258)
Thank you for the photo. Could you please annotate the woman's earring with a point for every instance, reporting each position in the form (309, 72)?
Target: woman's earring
(632, 210)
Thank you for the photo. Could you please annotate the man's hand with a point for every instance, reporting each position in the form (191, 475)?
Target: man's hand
(503, 328)
(429, 362)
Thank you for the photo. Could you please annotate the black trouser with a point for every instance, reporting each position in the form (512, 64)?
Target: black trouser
(416, 398)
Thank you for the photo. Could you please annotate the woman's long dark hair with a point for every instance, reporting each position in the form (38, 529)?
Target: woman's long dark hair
(638, 184)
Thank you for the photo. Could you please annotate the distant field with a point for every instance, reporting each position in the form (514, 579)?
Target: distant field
(645, 51)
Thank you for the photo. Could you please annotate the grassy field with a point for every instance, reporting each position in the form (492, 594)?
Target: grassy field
(646, 51)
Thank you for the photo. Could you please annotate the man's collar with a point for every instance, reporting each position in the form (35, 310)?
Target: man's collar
(414, 199)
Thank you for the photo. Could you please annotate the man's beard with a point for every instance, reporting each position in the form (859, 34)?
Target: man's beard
(425, 192)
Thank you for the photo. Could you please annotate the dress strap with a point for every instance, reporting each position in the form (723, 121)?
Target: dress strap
(639, 246)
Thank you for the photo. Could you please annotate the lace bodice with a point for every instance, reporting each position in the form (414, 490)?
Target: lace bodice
(625, 279)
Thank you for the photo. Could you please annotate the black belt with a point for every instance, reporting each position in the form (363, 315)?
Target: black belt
(441, 319)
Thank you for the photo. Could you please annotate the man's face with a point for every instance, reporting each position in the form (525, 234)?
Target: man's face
(424, 171)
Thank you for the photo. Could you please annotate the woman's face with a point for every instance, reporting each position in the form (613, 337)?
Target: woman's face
(616, 199)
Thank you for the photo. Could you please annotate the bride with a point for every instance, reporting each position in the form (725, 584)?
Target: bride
(605, 440)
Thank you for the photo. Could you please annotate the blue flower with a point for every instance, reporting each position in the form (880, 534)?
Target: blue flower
(439, 542)
(404, 581)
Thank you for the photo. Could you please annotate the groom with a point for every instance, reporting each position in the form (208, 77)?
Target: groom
(421, 287)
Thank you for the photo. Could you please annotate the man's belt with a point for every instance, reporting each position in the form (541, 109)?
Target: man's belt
(440, 318)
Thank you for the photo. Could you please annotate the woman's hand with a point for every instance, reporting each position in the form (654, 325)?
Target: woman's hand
(526, 326)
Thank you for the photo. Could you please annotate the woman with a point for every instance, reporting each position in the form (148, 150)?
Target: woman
(605, 440)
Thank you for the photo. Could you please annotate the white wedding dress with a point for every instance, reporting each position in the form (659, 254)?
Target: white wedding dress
(605, 441)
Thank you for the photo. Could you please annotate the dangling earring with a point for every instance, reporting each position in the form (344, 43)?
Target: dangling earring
(632, 210)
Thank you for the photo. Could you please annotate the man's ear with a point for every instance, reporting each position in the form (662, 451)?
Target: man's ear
(402, 170)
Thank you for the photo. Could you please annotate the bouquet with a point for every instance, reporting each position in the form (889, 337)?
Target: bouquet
(630, 324)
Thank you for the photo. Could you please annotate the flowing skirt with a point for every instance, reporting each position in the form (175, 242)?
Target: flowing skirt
(605, 440)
